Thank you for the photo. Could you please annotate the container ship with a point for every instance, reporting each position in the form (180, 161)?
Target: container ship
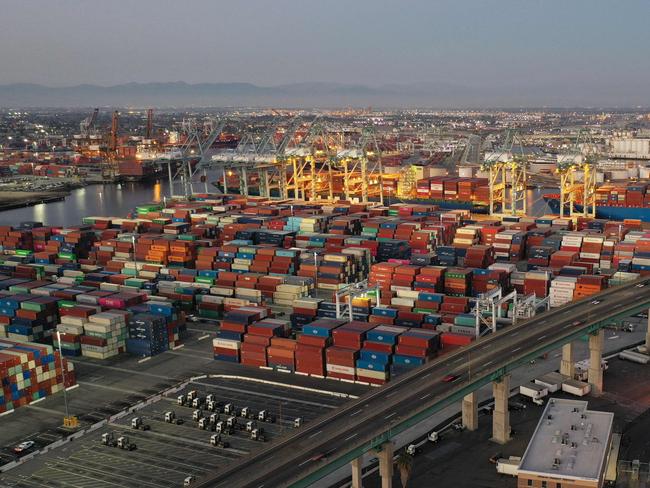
(448, 192)
(614, 202)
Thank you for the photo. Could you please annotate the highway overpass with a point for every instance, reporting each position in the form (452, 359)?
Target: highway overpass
(368, 423)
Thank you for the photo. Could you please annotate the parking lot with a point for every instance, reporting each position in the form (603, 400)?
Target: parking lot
(167, 453)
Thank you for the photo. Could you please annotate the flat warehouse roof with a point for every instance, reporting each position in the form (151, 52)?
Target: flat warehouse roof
(570, 441)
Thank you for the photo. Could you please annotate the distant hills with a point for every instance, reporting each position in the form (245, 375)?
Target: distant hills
(323, 94)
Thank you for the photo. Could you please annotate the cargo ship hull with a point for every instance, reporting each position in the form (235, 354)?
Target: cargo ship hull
(605, 211)
(474, 207)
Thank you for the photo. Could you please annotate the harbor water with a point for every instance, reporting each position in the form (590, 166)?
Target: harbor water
(117, 200)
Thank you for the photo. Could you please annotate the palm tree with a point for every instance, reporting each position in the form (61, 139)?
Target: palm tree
(405, 465)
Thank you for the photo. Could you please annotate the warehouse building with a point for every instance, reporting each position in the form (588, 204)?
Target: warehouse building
(569, 447)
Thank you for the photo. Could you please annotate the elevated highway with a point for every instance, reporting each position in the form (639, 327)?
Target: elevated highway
(369, 422)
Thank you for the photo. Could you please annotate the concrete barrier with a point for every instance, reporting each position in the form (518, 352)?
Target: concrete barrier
(284, 385)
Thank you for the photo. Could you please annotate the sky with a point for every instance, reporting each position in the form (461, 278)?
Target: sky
(590, 44)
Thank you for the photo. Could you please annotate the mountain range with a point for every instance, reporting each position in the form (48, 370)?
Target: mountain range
(323, 94)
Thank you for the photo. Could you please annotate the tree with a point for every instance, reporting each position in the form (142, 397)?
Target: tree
(405, 465)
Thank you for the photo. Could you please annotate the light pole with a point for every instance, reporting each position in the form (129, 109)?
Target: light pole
(135, 262)
(315, 274)
(67, 420)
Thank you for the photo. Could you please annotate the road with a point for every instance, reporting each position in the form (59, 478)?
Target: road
(359, 422)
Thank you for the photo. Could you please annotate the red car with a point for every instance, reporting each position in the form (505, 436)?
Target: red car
(449, 378)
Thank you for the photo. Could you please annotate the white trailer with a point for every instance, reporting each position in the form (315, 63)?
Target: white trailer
(534, 391)
(508, 466)
(575, 387)
(552, 381)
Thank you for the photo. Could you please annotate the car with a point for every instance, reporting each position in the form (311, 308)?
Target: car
(640, 285)
(449, 378)
(322, 455)
(577, 322)
(23, 447)
(596, 302)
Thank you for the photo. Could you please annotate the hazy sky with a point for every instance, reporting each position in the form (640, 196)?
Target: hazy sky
(563, 42)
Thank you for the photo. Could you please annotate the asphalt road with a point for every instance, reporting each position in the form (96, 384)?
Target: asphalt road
(358, 422)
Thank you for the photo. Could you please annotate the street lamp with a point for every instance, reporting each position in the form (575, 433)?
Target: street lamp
(68, 421)
(135, 262)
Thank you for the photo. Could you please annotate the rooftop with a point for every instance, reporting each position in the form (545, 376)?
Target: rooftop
(569, 441)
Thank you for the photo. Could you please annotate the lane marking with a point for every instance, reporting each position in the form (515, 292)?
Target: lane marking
(516, 349)
(301, 464)
(148, 358)
(203, 337)
(425, 396)
(315, 434)
(391, 415)
(486, 364)
(391, 394)
(351, 437)
(541, 337)
(355, 413)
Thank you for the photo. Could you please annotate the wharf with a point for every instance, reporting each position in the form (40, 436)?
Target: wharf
(17, 199)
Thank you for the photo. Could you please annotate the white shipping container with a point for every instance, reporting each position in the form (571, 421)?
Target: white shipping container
(226, 344)
(336, 368)
(533, 391)
(552, 381)
(577, 388)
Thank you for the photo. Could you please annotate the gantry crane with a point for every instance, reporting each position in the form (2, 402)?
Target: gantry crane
(258, 155)
(149, 131)
(362, 168)
(88, 124)
(507, 176)
(115, 122)
(309, 163)
(194, 153)
(581, 157)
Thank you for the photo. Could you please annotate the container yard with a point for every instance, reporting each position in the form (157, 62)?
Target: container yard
(282, 278)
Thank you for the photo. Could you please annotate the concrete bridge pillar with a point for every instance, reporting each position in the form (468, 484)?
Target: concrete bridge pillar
(470, 411)
(501, 415)
(595, 372)
(386, 465)
(357, 479)
(567, 364)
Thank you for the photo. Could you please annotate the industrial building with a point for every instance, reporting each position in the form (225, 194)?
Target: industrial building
(569, 448)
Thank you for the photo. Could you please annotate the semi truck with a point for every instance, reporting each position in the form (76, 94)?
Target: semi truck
(535, 392)
(582, 369)
(508, 466)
